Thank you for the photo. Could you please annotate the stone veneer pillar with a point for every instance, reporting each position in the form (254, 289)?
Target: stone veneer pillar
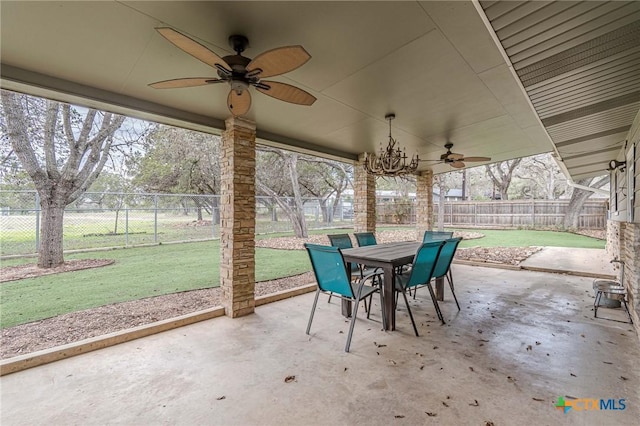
(631, 257)
(238, 217)
(424, 203)
(623, 242)
(364, 198)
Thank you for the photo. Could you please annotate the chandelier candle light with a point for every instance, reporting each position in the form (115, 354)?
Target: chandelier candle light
(391, 161)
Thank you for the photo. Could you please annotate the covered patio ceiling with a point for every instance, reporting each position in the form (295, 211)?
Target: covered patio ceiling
(439, 66)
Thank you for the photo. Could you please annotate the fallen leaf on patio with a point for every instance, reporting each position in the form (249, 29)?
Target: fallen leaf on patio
(471, 368)
(609, 341)
(607, 362)
(399, 416)
(488, 424)
(511, 379)
(445, 404)
(340, 332)
(475, 404)
(346, 368)
(582, 335)
(529, 347)
(422, 367)
(431, 414)
(623, 378)
(380, 346)
(378, 353)
(481, 344)
(221, 398)
(289, 379)
(492, 369)
(538, 343)
(538, 399)
(480, 331)
(392, 361)
(435, 347)
(419, 354)
(573, 375)
(483, 340)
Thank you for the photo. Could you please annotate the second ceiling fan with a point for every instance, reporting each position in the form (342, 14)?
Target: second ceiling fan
(456, 160)
(241, 72)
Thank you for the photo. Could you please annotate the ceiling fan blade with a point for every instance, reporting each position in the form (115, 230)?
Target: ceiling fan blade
(239, 104)
(279, 61)
(193, 48)
(476, 159)
(457, 164)
(455, 157)
(184, 82)
(286, 92)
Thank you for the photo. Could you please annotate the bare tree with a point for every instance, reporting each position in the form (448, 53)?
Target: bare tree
(578, 198)
(42, 133)
(501, 174)
(541, 176)
(270, 175)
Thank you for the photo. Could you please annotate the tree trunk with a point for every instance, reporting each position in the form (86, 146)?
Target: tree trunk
(578, 198)
(300, 224)
(51, 245)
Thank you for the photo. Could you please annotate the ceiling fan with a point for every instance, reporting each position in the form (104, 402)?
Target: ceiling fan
(241, 72)
(456, 160)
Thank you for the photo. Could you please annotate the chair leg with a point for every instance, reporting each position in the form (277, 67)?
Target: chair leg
(353, 318)
(435, 302)
(313, 309)
(329, 301)
(406, 301)
(450, 279)
(596, 303)
(627, 308)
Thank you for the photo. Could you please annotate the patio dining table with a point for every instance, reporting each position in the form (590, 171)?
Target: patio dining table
(388, 257)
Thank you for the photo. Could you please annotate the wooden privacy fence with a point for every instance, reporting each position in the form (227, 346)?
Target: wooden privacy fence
(500, 214)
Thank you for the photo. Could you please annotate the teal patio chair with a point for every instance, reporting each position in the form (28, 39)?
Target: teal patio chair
(331, 275)
(436, 236)
(443, 266)
(365, 238)
(358, 272)
(424, 264)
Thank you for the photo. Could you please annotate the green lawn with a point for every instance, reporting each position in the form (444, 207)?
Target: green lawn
(525, 238)
(137, 273)
(169, 268)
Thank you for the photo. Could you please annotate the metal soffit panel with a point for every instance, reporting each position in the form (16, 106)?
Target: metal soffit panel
(579, 62)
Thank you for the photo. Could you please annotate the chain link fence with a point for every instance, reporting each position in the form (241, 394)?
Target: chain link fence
(121, 220)
(128, 219)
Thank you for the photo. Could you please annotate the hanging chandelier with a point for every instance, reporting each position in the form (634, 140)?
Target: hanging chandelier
(391, 161)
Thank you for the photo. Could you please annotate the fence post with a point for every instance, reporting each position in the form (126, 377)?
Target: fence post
(475, 214)
(533, 213)
(155, 218)
(37, 221)
(213, 222)
(126, 226)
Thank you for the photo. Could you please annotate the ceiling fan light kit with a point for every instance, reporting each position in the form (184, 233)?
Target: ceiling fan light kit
(241, 72)
(391, 161)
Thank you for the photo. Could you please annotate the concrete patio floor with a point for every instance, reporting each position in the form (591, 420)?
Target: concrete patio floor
(521, 340)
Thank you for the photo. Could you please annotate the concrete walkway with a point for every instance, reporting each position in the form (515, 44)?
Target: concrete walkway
(576, 261)
(521, 340)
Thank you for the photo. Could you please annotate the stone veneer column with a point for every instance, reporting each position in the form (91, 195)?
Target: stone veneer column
(238, 217)
(424, 203)
(631, 256)
(364, 198)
